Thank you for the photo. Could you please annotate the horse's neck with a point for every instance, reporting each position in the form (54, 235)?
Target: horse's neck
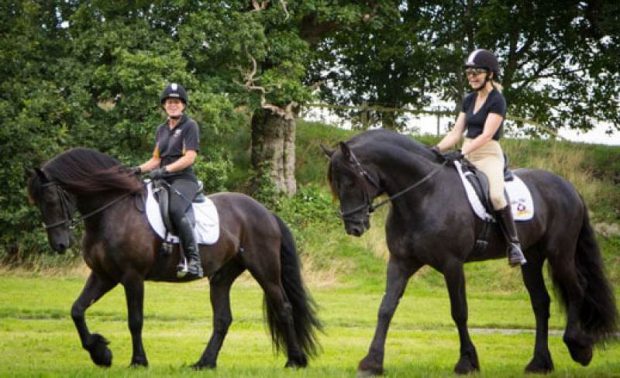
(400, 173)
(88, 203)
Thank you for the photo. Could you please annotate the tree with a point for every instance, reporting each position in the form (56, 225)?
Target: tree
(557, 56)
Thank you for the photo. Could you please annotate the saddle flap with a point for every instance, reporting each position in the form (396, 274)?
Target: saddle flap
(162, 194)
(207, 225)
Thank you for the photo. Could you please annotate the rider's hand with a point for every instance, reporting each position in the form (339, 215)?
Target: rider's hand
(158, 173)
(453, 156)
(136, 170)
(435, 150)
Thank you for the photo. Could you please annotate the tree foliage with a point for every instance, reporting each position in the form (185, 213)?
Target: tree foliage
(559, 58)
(89, 73)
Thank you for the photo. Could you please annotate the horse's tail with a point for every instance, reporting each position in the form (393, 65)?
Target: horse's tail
(304, 309)
(599, 314)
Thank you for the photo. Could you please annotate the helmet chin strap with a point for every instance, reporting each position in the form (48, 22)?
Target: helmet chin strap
(487, 78)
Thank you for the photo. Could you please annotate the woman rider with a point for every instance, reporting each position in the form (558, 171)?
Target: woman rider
(482, 116)
(176, 147)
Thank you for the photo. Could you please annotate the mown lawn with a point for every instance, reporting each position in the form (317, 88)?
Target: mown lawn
(37, 337)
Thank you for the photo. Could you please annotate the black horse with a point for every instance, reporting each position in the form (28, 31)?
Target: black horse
(120, 247)
(431, 223)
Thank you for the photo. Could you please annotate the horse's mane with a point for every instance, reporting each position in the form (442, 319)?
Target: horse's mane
(383, 142)
(401, 144)
(86, 170)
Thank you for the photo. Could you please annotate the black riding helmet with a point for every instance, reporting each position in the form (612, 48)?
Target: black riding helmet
(174, 90)
(482, 58)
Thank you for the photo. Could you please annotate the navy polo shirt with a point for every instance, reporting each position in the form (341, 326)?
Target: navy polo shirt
(172, 144)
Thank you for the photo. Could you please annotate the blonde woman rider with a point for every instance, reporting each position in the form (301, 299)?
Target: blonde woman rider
(481, 119)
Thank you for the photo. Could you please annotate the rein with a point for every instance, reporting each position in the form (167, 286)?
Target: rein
(369, 205)
(65, 203)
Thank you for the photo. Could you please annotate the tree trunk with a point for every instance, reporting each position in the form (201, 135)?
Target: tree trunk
(273, 150)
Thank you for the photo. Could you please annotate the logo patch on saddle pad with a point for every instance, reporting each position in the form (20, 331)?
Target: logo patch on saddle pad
(207, 229)
(521, 202)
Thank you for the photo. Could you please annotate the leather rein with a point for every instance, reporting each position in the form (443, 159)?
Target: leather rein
(68, 208)
(369, 206)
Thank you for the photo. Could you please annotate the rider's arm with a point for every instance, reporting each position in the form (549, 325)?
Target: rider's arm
(152, 163)
(454, 136)
(182, 163)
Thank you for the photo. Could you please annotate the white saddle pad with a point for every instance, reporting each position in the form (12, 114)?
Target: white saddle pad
(521, 202)
(207, 229)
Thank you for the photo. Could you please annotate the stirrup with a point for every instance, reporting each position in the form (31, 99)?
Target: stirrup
(515, 256)
(182, 268)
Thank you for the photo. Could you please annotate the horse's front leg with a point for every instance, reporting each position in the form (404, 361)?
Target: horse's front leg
(134, 293)
(455, 281)
(95, 344)
(398, 273)
(534, 282)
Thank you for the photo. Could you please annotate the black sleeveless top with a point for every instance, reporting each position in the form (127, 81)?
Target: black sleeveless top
(474, 122)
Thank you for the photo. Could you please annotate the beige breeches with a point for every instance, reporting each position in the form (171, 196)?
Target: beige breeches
(489, 158)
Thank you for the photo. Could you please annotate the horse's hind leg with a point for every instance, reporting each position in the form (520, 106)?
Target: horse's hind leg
(455, 281)
(95, 344)
(534, 282)
(134, 294)
(398, 274)
(220, 285)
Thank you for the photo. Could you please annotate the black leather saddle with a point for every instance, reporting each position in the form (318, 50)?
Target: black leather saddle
(161, 191)
(480, 182)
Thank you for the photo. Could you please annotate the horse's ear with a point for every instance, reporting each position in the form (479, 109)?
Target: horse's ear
(346, 151)
(327, 151)
(41, 175)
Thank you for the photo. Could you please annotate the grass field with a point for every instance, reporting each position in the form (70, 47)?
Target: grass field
(37, 336)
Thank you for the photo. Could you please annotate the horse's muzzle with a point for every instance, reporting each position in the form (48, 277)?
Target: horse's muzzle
(357, 228)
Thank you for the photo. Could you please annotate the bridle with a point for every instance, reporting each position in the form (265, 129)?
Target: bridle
(68, 208)
(368, 205)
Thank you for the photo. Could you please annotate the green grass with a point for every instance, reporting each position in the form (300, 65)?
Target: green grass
(37, 336)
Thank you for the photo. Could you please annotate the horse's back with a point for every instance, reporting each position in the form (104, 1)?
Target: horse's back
(240, 209)
(558, 208)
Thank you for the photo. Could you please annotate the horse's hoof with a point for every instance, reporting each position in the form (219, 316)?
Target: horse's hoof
(540, 365)
(297, 362)
(139, 363)
(368, 373)
(467, 366)
(366, 368)
(202, 366)
(580, 349)
(99, 351)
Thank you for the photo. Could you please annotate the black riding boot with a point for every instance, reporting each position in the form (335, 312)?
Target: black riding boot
(192, 268)
(507, 225)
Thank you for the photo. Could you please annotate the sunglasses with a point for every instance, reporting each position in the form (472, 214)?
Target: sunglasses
(474, 71)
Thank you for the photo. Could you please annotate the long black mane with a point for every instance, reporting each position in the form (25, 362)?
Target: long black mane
(83, 170)
(383, 143)
(396, 143)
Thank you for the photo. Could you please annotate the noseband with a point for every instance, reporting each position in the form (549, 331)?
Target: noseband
(369, 206)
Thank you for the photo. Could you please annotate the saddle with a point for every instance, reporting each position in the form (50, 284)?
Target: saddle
(161, 190)
(203, 215)
(476, 186)
(480, 182)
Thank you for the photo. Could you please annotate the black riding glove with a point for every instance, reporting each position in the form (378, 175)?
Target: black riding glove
(435, 150)
(158, 173)
(453, 156)
(136, 170)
